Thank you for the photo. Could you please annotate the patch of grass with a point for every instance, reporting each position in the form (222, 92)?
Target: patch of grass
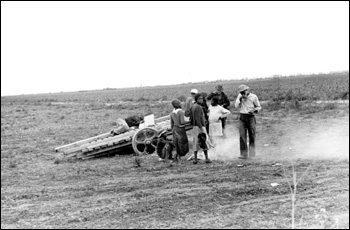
(143, 99)
(127, 99)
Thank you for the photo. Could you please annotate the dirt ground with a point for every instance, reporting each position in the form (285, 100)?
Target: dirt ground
(40, 189)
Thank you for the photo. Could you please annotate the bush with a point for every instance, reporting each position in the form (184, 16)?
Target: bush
(127, 99)
(330, 106)
(273, 105)
(294, 104)
(182, 98)
(143, 99)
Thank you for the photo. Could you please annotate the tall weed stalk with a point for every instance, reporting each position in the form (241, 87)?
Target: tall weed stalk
(293, 188)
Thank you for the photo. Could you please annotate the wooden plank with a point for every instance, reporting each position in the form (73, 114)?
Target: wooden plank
(89, 146)
(160, 119)
(78, 143)
(125, 136)
(101, 152)
(115, 142)
(80, 147)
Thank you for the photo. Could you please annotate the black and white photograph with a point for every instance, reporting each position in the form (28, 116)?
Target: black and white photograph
(175, 114)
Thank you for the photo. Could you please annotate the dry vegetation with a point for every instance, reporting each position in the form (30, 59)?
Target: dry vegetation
(41, 189)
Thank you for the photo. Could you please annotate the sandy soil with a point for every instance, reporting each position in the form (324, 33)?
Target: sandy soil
(39, 191)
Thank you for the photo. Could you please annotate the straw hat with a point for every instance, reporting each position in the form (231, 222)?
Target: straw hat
(242, 88)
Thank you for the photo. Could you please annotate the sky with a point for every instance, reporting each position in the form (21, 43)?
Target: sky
(49, 47)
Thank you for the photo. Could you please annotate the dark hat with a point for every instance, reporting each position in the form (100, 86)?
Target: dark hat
(219, 87)
(176, 103)
(204, 94)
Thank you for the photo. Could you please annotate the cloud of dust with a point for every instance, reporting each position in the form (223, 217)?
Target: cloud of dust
(226, 149)
(327, 141)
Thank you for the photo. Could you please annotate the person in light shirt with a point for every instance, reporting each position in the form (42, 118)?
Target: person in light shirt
(248, 105)
(216, 113)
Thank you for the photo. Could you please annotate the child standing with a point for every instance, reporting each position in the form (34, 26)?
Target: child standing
(216, 114)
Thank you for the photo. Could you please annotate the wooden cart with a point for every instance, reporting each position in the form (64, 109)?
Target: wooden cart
(142, 140)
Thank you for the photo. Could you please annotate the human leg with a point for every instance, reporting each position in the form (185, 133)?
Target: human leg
(251, 133)
(195, 160)
(223, 124)
(196, 144)
(207, 160)
(243, 138)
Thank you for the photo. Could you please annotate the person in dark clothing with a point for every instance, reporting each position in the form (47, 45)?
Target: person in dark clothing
(124, 125)
(165, 146)
(205, 110)
(177, 122)
(134, 120)
(198, 122)
(222, 100)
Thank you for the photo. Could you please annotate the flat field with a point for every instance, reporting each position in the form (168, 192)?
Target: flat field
(42, 189)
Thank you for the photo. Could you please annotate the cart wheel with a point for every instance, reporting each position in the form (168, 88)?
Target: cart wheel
(145, 141)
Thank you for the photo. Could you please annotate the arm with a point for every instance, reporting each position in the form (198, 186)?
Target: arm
(238, 101)
(171, 122)
(182, 117)
(210, 95)
(226, 103)
(224, 112)
(257, 105)
(198, 116)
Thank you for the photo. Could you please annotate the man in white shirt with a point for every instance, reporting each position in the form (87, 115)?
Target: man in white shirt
(248, 104)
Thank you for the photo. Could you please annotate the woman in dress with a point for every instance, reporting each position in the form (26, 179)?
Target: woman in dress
(177, 121)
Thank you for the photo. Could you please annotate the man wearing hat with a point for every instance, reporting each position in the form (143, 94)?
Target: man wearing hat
(248, 104)
(222, 100)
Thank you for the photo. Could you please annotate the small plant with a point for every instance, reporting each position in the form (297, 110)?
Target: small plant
(137, 162)
(57, 160)
(13, 164)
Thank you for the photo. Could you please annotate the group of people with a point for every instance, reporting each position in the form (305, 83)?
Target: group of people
(209, 123)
